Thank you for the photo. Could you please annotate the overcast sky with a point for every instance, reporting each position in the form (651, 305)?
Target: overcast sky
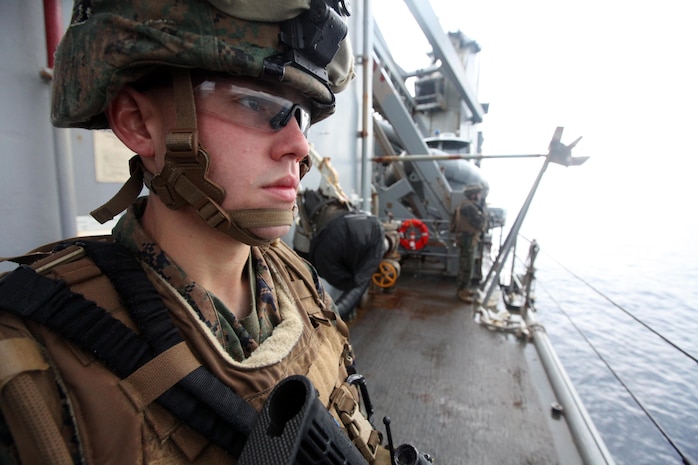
(621, 74)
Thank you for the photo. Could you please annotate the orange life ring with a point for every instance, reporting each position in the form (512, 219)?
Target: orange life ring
(414, 234)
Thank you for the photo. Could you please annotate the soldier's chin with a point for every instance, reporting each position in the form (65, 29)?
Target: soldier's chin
(271, 232)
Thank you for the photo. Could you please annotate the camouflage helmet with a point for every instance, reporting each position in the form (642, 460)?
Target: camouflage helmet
(471, 189)
(111, 43)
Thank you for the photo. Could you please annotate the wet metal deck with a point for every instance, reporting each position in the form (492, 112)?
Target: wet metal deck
(451, 387)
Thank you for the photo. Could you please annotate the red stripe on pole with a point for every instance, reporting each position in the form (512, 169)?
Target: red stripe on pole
(54, 28)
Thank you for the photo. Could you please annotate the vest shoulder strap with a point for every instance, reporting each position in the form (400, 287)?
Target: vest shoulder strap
(196, 396)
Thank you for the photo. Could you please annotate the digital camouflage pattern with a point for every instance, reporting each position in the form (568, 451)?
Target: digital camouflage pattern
(110, 43)
(466, 261)
(239, 338)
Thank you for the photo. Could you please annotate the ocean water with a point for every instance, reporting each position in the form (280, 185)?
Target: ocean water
(622, 313)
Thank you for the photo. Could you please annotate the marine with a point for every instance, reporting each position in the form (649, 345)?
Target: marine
(160, 342)
(468, 222)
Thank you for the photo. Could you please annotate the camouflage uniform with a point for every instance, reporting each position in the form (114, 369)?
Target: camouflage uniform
(468, 223)
(83, 396)
(239, 338)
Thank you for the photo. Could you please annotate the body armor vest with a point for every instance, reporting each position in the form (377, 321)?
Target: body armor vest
(468, 218)
(102, 418)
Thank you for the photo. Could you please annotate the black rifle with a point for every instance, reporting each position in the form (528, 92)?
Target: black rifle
(294, 428)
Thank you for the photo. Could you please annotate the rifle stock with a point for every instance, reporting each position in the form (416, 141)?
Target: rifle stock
(294, 428)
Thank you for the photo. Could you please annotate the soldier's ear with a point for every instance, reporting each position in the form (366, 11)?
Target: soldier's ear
(130, 116)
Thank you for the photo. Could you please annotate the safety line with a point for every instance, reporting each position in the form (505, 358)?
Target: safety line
(687, 354)
(618, 306)
(686, 460)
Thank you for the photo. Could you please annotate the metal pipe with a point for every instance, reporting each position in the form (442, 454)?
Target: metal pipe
(529, 277)
(443, 49)
(367, 107)
(422, 72)
(511, 238)
(394, 158)
(61, 137)
(589, 442)
(54, 29)
(513, 262)
(66, 182)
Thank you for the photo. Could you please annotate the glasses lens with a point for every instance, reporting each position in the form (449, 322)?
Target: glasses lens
(248, 107)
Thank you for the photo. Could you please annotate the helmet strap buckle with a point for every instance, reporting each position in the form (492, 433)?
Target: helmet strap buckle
(183, 179)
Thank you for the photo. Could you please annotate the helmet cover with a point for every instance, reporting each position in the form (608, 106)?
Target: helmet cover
(472, 189)
(111, 43)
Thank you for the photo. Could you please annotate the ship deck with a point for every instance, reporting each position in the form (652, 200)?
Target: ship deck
(462, 393)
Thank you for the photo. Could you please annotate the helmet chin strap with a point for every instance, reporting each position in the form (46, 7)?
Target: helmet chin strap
(183, 180)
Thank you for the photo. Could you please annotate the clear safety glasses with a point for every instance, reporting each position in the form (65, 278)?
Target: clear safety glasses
(247, 107)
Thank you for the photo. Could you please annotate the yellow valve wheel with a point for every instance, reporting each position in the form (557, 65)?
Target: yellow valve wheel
(387, 274)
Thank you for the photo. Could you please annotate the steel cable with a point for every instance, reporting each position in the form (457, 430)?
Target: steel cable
(686, 460)
(619, 307)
